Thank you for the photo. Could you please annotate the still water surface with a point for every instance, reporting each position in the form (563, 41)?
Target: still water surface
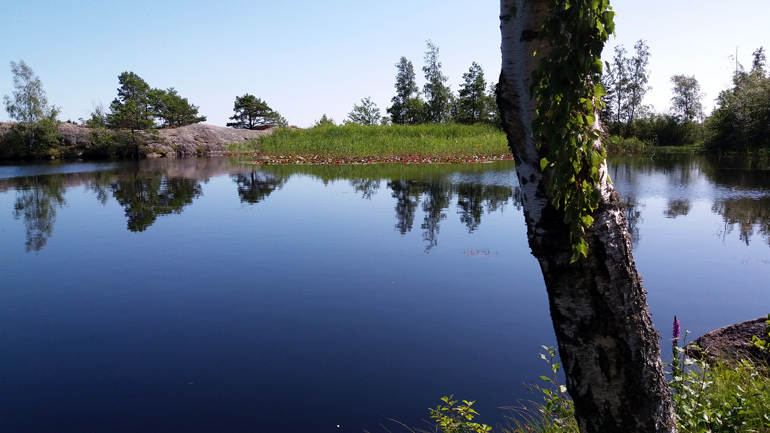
(210, 295)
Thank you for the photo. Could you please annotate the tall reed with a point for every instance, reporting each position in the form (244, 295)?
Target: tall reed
(357, 141)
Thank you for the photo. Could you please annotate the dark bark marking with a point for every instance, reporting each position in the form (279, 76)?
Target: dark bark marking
(529, 35)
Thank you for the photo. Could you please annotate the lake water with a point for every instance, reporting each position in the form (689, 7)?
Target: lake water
(203, 295)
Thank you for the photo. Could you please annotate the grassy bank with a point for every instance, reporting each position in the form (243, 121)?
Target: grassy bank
(428, 143)
(616, 145)
(725, 396)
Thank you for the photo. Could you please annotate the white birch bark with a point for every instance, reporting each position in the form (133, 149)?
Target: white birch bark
(607, 343)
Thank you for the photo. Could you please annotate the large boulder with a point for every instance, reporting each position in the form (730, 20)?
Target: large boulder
(75, 135)
(731, 342)
(197, 138)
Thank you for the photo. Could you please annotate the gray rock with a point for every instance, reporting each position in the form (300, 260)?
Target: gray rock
(730, 342)
(187, 140)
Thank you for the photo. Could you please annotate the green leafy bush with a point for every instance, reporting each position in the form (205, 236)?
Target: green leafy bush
(457, 418)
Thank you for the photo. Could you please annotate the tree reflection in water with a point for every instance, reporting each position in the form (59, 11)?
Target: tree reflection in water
(677, 207)
(254, 187)
(37, 199)
(436, 197)
(739, 194)
(145, 197)
(751, 217)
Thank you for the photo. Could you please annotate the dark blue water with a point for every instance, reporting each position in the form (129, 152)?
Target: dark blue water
(210, 295)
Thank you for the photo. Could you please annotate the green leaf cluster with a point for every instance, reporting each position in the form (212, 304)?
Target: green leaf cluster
(457, 418)
(724, 396)
(567, 87)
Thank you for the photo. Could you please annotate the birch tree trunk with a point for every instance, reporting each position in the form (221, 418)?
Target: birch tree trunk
(609, 349)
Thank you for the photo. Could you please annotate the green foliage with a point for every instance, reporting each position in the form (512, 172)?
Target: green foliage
(365, 114)
(763, 343)
(457, 418)
(567, 87)
(138, 106)
(555, 412)
(474, 105)
(617, 145)
(625, 82)
(324, 121)
(131, 108)
(173, 110)
(727, 396)
(41, 139)
(615, 81)
(741, 120)
(686, 102)
(36, 132)
(407, 108)
(352, 140)
(254, 113)
(667, 130)
(438, 96)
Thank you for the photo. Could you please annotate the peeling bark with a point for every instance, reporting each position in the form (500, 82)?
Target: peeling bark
(607, 343)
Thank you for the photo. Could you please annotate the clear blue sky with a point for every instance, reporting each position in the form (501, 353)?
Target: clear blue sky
(309, 58)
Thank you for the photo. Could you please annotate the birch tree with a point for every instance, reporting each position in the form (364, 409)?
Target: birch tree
(577, 229)
(28, 105)
(638, 77)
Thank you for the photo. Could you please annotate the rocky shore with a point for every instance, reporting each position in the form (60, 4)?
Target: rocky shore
(170, 142)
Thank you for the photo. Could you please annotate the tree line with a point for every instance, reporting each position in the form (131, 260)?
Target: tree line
(436, 103)
(740, 121)
(138, 109)
(120, 130)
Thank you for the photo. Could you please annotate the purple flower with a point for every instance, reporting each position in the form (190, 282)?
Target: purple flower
(677, 330)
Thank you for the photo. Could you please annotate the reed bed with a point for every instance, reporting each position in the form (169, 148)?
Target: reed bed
(428, 143)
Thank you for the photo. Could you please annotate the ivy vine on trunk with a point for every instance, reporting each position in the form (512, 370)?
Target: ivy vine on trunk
(549, 97)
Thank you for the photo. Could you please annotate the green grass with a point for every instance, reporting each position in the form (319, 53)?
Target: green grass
(725, 397)
(356, 143)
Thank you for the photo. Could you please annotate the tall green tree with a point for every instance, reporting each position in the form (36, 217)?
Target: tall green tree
(474, 104)
(438, 96)
(741, 119)
(173, 110)
(615, 81)
(366, 113)
(625, 82)
(549, 97)
(28, 105)
(254, 113)
(407, 106)
(131, 109)
(686, 102)
(638, 77)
